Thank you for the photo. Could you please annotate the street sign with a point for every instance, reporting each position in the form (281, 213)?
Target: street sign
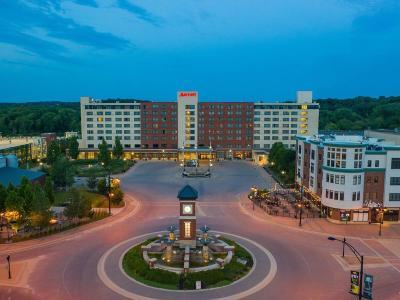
(367, 289)
(355, 282)
(198, 285)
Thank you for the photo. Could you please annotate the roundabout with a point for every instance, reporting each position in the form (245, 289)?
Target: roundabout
(88, 263)
(110, 271)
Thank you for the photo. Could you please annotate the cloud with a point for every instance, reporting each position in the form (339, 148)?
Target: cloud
(139, 11)
(19, 17)
(379, 19)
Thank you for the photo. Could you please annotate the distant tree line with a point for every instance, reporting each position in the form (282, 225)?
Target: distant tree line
(36, 118)
(336, 114)
(359, 113)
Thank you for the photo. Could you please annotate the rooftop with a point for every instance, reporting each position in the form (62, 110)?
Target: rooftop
(14, 175)
(187, 193)
(350, 141)
(6, 143)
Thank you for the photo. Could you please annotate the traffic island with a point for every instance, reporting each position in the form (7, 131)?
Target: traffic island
(213, 263)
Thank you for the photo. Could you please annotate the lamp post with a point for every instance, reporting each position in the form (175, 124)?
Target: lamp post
(109, 187)
(358, 256)
(381, 212)
(301, 204)
(301, 213)
(9, 266)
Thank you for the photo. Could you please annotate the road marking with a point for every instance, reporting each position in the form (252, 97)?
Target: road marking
(199, 211)
(113, 286)
(379, 255)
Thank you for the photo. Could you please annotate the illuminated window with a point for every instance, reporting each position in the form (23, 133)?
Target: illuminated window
(99, 119)
(187, 229)
(304, 107)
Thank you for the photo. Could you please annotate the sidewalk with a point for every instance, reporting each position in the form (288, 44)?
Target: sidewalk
(119, 214)
(323, 226)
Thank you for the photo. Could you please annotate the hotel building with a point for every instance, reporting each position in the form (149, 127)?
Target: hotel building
(189, 128)
(353, 178)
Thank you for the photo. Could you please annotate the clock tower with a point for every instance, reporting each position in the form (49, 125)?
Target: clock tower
(187, 216)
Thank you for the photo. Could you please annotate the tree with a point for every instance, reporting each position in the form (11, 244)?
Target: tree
(102, 186)
(3, 197)
(117, 195)
(79, 207)
(25, 191)
(14, 202)
(73, 147)
(61, 173)
(118, 149)
(104, 154)
(48, 188)
(92, 180)
(40, 214)
(53, 152)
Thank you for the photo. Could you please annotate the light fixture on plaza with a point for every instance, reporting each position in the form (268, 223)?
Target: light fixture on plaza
(358, 256)
(283, 172)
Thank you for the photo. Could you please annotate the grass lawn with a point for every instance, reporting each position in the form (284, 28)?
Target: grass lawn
(96, 199)
(85, 168)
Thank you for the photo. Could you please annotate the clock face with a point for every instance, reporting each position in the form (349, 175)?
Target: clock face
(187, 209)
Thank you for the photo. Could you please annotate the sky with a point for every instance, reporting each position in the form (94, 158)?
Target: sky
(224, 49)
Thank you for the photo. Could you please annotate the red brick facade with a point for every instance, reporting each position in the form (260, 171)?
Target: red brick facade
(306, 166)
(227, 125)
(159, 125)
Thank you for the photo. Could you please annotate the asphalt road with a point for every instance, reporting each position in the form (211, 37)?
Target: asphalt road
(306, 268)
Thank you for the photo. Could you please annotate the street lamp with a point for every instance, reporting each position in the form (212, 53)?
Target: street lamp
(358, 256)
(301, 212)
(109, 187)
(381, 212)
(301, 204)
(9, 266)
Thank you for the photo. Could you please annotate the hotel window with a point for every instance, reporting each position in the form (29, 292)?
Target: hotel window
(336, 179)
(342, 179)
(354, 196)
(395, 163)
(108, 113)
(359, 179)
(336, 195)
(89, 113)
(354, 179)
(394, 180)
(341, 196)
(99, 113)
(394, 197)
(376, 163)
(369, 163)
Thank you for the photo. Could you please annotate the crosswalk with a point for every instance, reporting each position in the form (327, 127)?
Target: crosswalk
(381, 251)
